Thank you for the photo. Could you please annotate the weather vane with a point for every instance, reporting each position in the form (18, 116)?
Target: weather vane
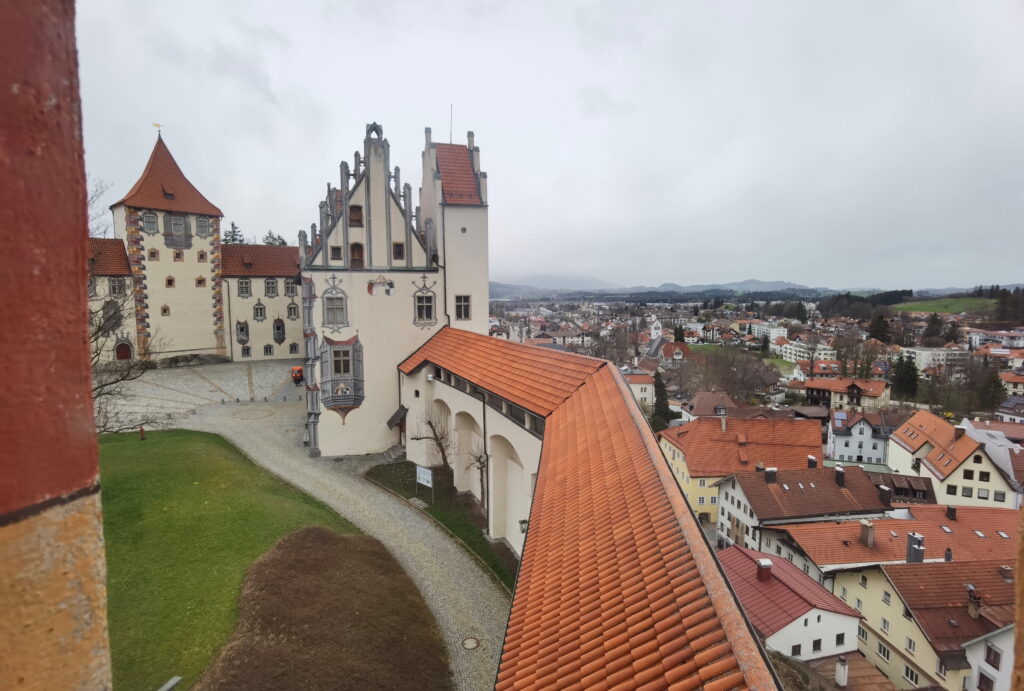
(158, 127)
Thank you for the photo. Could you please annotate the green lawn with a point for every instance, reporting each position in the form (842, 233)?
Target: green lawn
(948, 305)
(184, 515)
(784, 366)
(703, 347)
(401, 478)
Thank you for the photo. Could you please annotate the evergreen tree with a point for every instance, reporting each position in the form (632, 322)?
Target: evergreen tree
(801, 312)
(233, 236)
(879, 328)
(764, 343)
(696, 311)
(661, 409)
(904, 379)
(991, 391)
(679, 335)
(272, 238)
(952, 334)
(932, 335)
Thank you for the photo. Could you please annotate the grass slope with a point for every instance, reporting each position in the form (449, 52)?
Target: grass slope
(185, 514)
(948, 305)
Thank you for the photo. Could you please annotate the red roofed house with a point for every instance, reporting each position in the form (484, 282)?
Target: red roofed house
(793, 613)
(112, 333)
(705, 450)
(260, 284)
(172, 236)
(642, 386)
(843, 393)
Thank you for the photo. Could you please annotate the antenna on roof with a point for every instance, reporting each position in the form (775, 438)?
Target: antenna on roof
(451, 112)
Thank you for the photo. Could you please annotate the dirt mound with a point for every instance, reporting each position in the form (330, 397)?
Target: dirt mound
(327, 611)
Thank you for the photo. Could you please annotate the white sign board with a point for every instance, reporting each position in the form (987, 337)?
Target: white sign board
(424, 476)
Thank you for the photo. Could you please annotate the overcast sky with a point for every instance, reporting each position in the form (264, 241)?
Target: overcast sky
(843, 144)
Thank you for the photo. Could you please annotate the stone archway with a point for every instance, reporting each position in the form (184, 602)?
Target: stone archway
(469, 442)
(123, 351)
(511, 493)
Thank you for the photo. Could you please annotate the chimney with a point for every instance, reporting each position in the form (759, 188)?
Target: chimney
(812, 462)
(1006, 573)
(842, 672)
(951, 513)
(840, 476)
(867, 533)
(722, 418)
(915, 548)
(764, 569)
(949, 554)
(770, 475)
(885, 494)
(973, 602)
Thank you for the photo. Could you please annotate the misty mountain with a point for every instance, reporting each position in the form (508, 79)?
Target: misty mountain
(551, 282)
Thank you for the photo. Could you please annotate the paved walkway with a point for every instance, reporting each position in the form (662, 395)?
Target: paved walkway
(463, 598)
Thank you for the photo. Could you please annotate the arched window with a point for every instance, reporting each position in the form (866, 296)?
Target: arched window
(123, 351)
(259, 311)
(355, 255)
(279, 330)
(293, 311)
(169, 282)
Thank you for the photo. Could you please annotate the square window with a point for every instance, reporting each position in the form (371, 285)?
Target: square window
(999, 496)
(335, 252)
(200, 282)
(154, 255)
(165, 311)
(840, 639)
(341, 362)
(816, 645)
(795, 651)
(268, 350)
(984, 476)
(951, 489)
(246, 351)
(201, 256)
(968, 474)
(293, 348)
(398, 251)
(462, 307)
(116, 286)
(983, 493)
(179, 256)
(700, 500)
(966, 491)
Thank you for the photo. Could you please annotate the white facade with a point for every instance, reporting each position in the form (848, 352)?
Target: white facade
(264, 318)
(830, 632)
(924, 358)
(376, 287)
(991, 656)
(859, 446)
(797, 350)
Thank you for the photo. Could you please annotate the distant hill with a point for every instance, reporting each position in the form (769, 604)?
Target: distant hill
(550, 282)
(751, 285)
(541, 286)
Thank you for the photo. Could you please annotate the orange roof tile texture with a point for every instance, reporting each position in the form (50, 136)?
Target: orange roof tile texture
(164, 187)
(458, 179)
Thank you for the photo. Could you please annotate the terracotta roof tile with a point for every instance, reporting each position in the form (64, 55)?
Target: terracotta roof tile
(164, 187)
(458, 179)
(711, 452)
(613, 555)
(869, 387)
(260, 260)
(948, 451)
(837, 543)
(108, 257)
(788, 593)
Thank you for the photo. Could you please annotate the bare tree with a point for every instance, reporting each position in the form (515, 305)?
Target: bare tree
(732, 370)
(435, 429)
(99, 217)
(478, 461)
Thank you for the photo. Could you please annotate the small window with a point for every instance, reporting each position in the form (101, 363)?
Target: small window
(462, 307)
(842, 594)
(940, 669)
(165, 311)
(968, 474)
(984, 476)
(951, 489)
(993, 657)
(169, 282)
(977, 458)
(279, 330)
(701, 500)
(816, 645)
(116, 286)
(244, 288)
(92, 286)
(966, 491)
(177, 224)
(398, 251)
(355, 216)
(862, 633)
(293, 348)
(259, 311)
(424, 308)
(886, 597)
(858, 604)
(154, 255)
(149, 223)
(714, 500)
(883, 652)
(293, 311)
(290, 289)
(985, 682)
(179, 256)
(201, 256)
(202, 227)
(268, 350)
(270, 288)
(885, 625)
(335, 252)
(983, 493)
(246, 351)
(795, 651)
(200, 282)
(999, 496)
(341, 362)
(840, 639)
(863, 581)
(910, 675)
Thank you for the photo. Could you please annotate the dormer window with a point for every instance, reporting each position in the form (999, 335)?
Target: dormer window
(355, 216)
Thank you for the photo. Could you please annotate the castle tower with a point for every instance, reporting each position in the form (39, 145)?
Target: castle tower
(379, 278)
(172, 233)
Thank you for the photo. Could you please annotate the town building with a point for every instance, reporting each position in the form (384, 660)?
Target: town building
(704, 451)
(861, 437)
(927, 358)
(970, 466)
(261, 294)
(642, 385)
(792, 613)
(749, 502)
(112, 326)
(843, 393)
(1011, 410)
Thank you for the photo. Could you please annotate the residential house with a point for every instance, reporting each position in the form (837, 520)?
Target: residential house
(792, 613)
(861, 437)
(806, 350)
(642, 386)
(970, 466)
(747, 502)
(260, 286)
(1011, 410)
(924, 358)
(112, 328)
(1013, 381)
(702, 452)
(843, 393)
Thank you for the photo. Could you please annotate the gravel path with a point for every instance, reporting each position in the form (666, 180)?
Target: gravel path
(462, 596)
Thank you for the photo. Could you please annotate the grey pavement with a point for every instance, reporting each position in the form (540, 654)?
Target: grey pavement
(465, 600)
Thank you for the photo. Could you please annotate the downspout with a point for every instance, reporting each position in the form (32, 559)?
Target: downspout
(487, 468)
(227, 327)
(401, 429)
(444, 272)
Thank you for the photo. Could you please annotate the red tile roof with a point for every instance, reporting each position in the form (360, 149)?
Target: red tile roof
(839, 543)
(459, 183)
(617, 584)
(948, 450)
(259, 260)
(639, 378)
(787, 595)
(937, 593)
(810, 492)
(669, 349)
(108, 257)
(711, 452)
(869, 387)
(164, 187)
(703, 403)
